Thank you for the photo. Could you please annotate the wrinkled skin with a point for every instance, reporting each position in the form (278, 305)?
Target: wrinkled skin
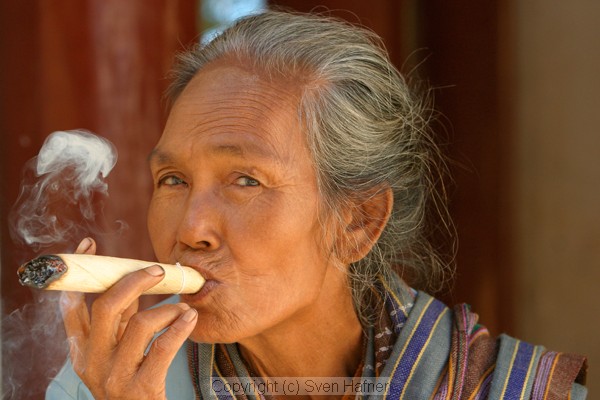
(235, 196)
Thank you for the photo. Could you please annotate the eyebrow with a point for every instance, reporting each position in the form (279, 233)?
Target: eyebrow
(161, 157)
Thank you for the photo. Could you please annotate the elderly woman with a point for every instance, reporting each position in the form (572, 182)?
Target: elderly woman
(296, 173)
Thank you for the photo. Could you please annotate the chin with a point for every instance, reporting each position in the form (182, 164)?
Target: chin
(210, 330)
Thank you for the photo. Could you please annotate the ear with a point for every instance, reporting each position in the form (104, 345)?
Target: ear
(364, 222)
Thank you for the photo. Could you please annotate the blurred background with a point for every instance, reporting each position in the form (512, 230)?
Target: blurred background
(517, 86)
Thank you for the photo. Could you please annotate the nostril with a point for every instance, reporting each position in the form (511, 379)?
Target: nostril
(197, 230)
(204, 244)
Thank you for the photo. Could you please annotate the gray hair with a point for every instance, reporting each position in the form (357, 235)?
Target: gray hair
(365, 128)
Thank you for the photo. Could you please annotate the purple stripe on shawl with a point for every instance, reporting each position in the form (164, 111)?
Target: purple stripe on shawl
(519, 370)
(543, 374)
(484, 389)
(421, 334)
(463, 341)
(442, 392)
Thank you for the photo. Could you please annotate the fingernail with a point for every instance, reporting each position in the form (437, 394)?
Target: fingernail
(189, 315)
(155, 270)
(84, 245)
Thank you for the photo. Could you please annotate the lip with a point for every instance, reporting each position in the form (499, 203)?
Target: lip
(210, 284)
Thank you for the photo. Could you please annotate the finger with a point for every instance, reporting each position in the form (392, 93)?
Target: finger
(165, 347)
(126, 316)
(75, 314)
(142, 328)
(111, 308)
(86, 246)
(76, 320)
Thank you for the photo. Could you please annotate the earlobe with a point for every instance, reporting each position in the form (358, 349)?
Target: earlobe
(365, 223)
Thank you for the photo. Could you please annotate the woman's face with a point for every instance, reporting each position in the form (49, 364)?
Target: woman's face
(235, 196)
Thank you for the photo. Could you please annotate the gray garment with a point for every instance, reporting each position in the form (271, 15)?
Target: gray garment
(67, 385)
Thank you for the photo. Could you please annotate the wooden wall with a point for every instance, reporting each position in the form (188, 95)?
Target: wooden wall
(466, 50)
(93, 64)
(556, 176)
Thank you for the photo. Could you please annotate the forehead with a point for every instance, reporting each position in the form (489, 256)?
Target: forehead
(228, 99)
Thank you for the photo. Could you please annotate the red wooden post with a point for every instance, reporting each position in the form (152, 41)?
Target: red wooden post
(93, 64)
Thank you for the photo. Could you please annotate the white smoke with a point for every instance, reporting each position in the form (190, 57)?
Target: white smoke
(34, 346)
(59, 203)
(59, 188)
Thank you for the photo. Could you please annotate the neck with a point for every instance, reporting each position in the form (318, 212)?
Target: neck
(323, 340)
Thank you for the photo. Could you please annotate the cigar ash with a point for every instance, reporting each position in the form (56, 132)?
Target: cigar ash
(42, 271)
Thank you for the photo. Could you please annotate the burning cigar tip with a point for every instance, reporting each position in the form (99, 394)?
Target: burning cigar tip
(41, 271)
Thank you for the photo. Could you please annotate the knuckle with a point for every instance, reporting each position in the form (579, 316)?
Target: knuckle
(168, 341)
(102, 306)
(112, 389)
(123, 387)
(148, 386)
(114, 385)
(161, 345)
(175, 331)
(137, 319)
(139, 322)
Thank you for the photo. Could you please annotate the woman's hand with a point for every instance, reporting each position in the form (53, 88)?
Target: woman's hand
(107, 347)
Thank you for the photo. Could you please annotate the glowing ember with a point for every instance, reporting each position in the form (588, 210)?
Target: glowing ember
(42, 271)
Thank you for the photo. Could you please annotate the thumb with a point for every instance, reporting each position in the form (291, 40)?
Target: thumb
(86, 246)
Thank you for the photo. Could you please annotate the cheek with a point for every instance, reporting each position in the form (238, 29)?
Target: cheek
(277, 228)
(160, 225)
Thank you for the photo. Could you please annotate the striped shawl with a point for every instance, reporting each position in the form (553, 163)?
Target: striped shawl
(421, 349)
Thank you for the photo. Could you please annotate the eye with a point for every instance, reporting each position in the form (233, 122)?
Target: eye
(170, 180)
(246, 181)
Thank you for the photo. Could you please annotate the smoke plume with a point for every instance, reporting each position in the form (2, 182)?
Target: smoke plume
(60, 202)
(59, 189)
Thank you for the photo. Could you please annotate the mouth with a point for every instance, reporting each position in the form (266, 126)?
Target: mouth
(211, 282)
(196, 298)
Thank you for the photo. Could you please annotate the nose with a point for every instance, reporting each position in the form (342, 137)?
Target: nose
(200, 225)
